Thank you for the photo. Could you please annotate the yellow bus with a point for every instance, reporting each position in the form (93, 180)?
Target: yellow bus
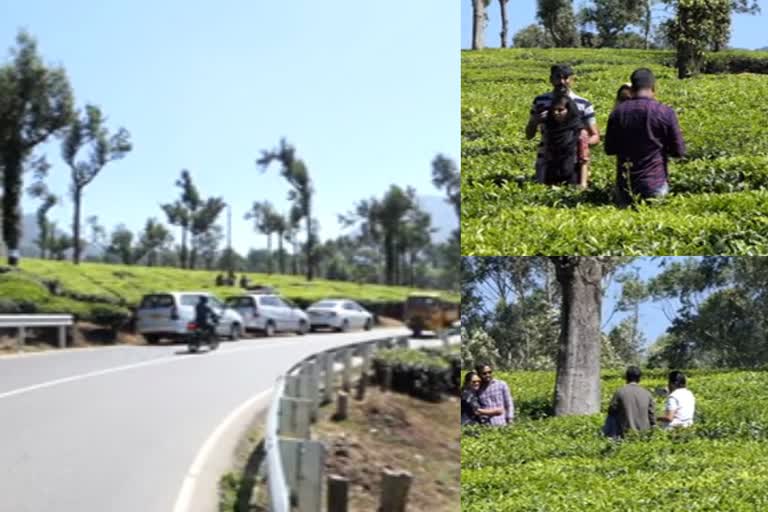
(429, 312)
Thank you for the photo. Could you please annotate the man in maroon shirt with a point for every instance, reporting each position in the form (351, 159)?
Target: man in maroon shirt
(643, 134)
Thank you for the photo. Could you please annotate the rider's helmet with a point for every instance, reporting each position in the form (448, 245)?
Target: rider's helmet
(203, 299)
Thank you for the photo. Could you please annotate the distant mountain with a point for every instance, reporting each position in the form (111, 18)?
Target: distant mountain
(443, 216)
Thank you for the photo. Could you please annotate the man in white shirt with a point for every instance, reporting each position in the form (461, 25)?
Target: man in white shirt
(681, 404)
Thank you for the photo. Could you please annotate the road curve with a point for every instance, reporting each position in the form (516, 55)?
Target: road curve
(118, 428)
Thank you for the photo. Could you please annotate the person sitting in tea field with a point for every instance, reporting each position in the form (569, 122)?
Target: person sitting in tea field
(631, 408)
(472, 413)
(562, 80)
(494, 393)
(643, 134)
(681, 404)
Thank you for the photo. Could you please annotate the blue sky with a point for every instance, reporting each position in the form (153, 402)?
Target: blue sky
(367, 92)
(746, 31)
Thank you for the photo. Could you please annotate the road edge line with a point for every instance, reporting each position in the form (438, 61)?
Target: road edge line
(189, 484)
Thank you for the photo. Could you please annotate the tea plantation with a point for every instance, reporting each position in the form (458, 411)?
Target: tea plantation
(719, 201)
(563, 464)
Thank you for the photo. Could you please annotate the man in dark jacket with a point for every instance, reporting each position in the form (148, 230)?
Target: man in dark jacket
(643, 134)
(632, 406)
(204, 316)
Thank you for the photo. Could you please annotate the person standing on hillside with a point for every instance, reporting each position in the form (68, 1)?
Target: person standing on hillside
(643, 134)
(632, 407)
(495, 394)
(562, 78)
(681, 404)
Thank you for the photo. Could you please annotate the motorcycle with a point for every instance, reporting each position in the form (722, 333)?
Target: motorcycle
(198, 336)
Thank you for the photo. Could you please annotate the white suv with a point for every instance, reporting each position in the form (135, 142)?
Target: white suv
(167, 315)
(269, 313)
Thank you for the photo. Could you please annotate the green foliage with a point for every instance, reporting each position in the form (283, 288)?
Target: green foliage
(558, 19)
(719, 202)
(564, 464)
(532, 36)
(698, 25)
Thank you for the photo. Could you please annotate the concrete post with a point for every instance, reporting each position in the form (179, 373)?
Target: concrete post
(394, 490)
(346, 379)
(330, 359)
(338, 490)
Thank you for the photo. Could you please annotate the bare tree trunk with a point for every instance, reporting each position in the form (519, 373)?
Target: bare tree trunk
(183, 255)
(478, 24)
(77, 195)
(310, 240)
(648, 21)
(280, 253)
(504, 22)
(577, 390)
(269, 253)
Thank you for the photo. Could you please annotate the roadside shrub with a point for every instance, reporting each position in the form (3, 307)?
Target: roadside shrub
(109, 316)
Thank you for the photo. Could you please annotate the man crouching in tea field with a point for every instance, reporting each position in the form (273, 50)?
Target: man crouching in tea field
(632, 407)
(494, 394)
(562, 79)
(681, 404)
(643, 133)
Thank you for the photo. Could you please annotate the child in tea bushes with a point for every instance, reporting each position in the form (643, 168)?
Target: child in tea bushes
(681, 404)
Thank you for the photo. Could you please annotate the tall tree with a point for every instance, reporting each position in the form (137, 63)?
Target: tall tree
(296, 174)
(577, 389)
(263, 215)
(121, 245)
(35, 102)
(89, 132)
(479, 19)
(208, 246)
(612, 17)
(558, 19)
(153, 239)
(445, 175)
(203, 221)
(504, 22)
(40, 191)
(182, 212)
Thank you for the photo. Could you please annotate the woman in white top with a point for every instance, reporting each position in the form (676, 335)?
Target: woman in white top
(680, 405)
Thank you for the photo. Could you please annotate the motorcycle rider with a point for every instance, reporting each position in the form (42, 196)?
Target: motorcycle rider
(205, 318)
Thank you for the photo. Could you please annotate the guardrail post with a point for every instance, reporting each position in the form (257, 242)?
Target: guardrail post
(403, 342)
(330, 359)
(338, 489)
(308, 387)
(342, 406)
(347, 372)
(20, 340)
(292, 388)
(62, 336)
(294, 417)
(310, 476)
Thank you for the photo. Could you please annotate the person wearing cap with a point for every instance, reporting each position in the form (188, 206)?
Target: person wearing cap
(643, 134)
(561, 77)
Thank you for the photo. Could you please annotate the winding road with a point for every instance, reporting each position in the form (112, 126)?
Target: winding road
(117, 429)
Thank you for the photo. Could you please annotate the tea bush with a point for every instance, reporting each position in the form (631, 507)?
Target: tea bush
(720, 185)
(564, 464)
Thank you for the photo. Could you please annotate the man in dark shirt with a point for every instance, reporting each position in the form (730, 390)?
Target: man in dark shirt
(643, 134)
(632, 406)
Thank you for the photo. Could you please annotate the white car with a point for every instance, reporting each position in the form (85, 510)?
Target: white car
(339, 314)
(167, 315)
(269, 313)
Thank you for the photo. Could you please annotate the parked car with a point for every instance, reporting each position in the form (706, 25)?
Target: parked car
(339, 314)
(167, 315)
(429, 312)
(269, 313)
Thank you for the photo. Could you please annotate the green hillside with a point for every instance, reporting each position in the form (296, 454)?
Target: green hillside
(563, 464)
(719, 202)
(99, 292)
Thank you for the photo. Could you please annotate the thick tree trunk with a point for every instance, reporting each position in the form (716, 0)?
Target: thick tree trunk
(77, 196)
(577, 390)
(183, 255)
(504, 22)
(478, 24)
(269, 253)
(280, 254)
(310, 247)
(389, 259)
(11, 215)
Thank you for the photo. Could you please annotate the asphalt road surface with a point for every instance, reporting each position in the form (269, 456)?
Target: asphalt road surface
(117, 428)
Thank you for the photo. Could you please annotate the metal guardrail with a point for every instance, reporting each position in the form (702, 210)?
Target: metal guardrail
(294, 462)
(21, 322)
